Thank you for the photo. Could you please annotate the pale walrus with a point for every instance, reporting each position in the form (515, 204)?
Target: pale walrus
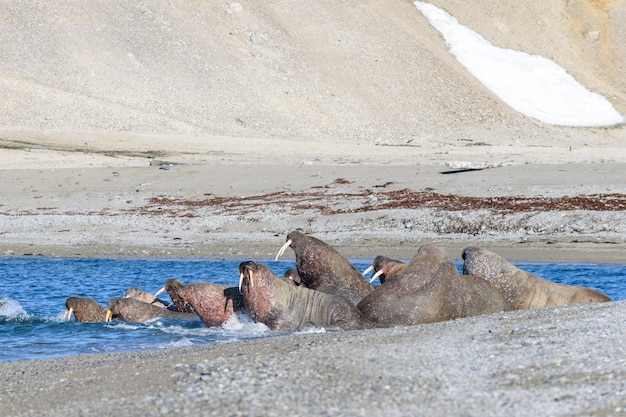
(523, 289)
(171, 286)
(85, 310)
(135, 311)
(323, 269)
(429, 289)
(214, 303)
(137, 294)
(284, 307)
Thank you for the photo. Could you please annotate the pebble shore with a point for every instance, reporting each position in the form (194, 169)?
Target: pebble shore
(555, 361)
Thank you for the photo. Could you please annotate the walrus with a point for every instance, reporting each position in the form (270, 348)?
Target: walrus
(135, 311)
(429, 289)
(137, 294)
(284, 307)
(85, 310)
(523, 289)
(384, 268)
(291, 277)
(171, 286)
(323, 269)
(214, 303)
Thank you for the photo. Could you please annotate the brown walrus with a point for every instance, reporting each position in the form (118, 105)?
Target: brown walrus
(137, 294)
(323, 269)
(214, 303)
(171, 286)
(384, 268)
(523, 289)
(429, 289)
(291, 277)
(85, 310)
(135, 311)
(284, 307)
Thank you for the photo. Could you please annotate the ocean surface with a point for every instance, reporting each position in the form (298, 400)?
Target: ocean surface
(33, 291)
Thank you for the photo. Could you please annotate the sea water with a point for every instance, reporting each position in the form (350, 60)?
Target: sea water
(33, 291)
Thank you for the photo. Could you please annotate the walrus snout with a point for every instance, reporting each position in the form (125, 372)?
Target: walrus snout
(467, 255)
(246, 269)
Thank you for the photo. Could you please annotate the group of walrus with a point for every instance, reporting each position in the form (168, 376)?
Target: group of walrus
(326, 290)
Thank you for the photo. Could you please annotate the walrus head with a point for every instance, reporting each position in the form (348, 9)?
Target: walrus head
(384, 267)
(246, 272)
(84, 309)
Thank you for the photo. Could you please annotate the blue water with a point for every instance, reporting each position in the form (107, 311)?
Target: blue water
(33, 292)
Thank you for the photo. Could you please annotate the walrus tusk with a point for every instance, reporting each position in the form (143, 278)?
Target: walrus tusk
(376, 275)
(368, 270)
(68, 313)
(159, 292)
(283, 249)
(241, 281)
(108, 316)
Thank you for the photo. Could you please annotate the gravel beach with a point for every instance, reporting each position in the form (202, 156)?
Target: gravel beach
(144, 131)
(564, 361)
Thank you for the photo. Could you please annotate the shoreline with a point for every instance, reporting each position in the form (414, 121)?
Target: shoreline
(548, 252)
(244, 209)
(527, 362)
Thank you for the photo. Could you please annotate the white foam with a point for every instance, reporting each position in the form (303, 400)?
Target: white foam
(530, 84)
(11, 309)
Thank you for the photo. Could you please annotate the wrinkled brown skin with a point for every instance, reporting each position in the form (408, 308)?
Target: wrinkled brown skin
(284, 307)
(171, 287)
(135, 311)
(86, 309)
(323, 269)
(214, 303)
(137, 294)
(480, 296)
(389, 267)
(429, 289)
(523, 289)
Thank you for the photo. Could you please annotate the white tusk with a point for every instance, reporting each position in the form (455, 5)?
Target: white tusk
(241, 281)
(108, 316)
(68, 313)
(368, 270)
(159, 292)
(283, 249)
(376, 275)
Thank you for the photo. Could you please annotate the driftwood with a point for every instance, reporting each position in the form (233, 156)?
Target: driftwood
(470, 166)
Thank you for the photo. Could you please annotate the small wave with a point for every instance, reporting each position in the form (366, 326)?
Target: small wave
(12, 310)
(124, 325)
(312, 330)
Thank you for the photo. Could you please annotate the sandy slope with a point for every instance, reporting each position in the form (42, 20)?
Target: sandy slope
(366, 71)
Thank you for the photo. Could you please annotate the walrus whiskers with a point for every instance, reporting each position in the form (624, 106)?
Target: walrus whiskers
(283, 249)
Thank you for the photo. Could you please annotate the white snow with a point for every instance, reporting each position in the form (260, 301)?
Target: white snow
(530, 84)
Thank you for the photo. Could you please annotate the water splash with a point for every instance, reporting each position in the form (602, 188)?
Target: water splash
(12, 311)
